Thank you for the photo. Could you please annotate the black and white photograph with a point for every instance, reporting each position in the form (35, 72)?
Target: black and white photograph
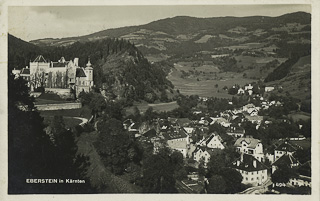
(205, 98)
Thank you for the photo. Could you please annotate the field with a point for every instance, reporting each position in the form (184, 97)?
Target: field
(205, 85)
(159, 107)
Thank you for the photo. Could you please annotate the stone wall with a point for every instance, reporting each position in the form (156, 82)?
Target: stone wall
(60, 106)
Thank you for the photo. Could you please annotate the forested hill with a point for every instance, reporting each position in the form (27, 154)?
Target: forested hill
(120, 69)
(20, 52)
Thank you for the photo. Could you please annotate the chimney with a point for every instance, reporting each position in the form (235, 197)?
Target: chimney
(27, 67)
(241, 157)
(76, 61)
(255, 163)
(238, 163)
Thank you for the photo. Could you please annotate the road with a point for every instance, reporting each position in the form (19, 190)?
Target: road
(258, 189)
(183, 188)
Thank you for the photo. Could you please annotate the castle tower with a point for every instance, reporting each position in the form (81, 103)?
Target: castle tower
(89, 73)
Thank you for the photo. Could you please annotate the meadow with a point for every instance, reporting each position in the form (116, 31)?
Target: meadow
(143, 106)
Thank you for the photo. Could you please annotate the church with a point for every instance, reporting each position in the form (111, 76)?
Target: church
(58, 77)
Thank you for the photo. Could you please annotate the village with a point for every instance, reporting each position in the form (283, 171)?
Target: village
(200, 141)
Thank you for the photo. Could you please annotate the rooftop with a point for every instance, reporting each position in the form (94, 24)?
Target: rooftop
(80, 73)
(175, 135)
(40, 58)
(252, 142)
(247, 164)
(286, 159)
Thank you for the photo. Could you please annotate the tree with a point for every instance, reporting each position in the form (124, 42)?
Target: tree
(158, 173)
(216, 163)
(113, 144)
(283, 173)
(31, 152)
(233, 180)
(201, 168)
(217, 185)
(136, 114)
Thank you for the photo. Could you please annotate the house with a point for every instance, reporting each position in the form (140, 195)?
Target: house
(248, 87)
(189, 130)
(255, 119)
(252, 170)
(150, 133)
(127, 123)
(214, 141)
(285, 148)
(287, 160)
(268, 89)
(221, 121)
(178, 140)
(304, 176)
(253, 111)
(241, 91)
(250, 146)
(237, 132)
(245, 108)
(204, 153)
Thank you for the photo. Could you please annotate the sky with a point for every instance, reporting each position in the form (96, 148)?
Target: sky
(36, 22)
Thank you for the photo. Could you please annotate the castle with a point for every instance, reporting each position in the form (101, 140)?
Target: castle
(59, 77)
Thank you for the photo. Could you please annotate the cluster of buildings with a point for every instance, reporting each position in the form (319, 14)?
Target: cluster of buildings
(58, 77)
(249, 89)
(194, 141)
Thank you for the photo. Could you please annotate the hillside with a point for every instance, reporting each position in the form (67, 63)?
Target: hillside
(120, 69)
(188, 35)
(20, 52)
(297, 82)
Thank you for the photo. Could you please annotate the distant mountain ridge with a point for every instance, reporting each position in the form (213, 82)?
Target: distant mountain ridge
(186, 25)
